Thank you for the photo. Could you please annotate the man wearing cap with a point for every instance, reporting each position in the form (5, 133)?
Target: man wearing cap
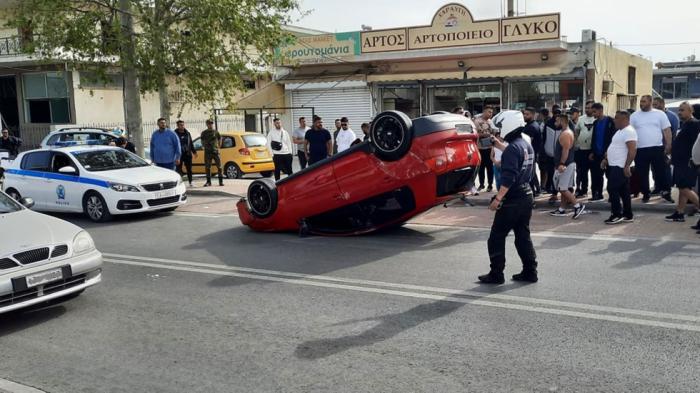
(513, 207)
(211, 142)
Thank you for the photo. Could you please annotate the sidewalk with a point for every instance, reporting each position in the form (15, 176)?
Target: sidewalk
(237, 188)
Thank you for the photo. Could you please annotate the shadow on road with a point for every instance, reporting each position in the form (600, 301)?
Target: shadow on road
(644, 252)
(20, 320)
(388, 326)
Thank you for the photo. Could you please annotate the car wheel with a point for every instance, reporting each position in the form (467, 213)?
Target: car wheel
(267, 173)
(391, 135)
(95, 207)
(12, 193)
(232, 171)
(262, 198)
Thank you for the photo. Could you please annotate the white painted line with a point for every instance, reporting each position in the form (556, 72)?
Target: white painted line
(448, 294)
(447, 291)
(13, 387)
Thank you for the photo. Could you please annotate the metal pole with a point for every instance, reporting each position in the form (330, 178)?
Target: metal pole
(262, 122)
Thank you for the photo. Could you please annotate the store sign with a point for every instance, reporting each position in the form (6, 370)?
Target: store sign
(453, 25)
(324, 48)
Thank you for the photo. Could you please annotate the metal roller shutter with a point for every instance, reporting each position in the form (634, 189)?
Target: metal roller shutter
(331, 104)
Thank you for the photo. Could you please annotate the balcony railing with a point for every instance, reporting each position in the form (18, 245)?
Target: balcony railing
(10, 46)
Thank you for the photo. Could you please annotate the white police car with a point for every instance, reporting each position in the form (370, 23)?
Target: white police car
(100, 181)
(42, 258)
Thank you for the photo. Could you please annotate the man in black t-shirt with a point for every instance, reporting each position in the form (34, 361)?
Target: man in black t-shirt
(684, 174)
(318, 144)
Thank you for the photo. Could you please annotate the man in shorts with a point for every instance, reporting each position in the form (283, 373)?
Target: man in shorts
(684, 173)
(565, 172)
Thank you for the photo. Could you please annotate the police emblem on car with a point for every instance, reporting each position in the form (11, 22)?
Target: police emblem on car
(61, 192)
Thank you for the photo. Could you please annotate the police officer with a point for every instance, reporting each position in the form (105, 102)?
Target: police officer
(513, 207)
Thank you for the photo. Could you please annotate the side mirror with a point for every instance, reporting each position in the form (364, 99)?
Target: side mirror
(27, 202)
(68, 170)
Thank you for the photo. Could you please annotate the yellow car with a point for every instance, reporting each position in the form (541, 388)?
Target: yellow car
(241, 153)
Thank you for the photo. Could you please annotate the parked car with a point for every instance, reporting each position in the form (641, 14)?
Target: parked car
(242, 153)
(674, 105)
(100, 181)
(42, 258)
(406, 168)
(79, 136)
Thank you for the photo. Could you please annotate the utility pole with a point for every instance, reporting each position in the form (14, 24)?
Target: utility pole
(131, 96)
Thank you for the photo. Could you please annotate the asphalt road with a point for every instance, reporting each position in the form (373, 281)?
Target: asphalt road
(197, 303)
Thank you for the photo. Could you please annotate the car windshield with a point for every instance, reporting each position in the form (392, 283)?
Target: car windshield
(107, 160)
(8, 205)
(254, 140)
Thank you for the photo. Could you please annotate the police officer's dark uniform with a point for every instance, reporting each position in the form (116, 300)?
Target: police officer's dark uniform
(515, 199)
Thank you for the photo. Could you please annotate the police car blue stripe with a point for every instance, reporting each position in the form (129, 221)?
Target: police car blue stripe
(59, 176)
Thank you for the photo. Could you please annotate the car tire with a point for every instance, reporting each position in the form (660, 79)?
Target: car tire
(391, 135)
(95, 207)
(262, 198)
(232, 171)
(14, 194)
(267, 173)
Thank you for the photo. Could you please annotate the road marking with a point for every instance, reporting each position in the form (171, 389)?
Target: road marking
(13, 387)
(415, 291)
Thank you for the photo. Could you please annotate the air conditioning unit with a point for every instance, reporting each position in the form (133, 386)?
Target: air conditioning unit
(608, 86)
(588, 35)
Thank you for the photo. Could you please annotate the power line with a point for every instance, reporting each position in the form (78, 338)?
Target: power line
(661, 44)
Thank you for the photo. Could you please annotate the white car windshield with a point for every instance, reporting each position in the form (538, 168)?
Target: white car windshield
(108, 160)
(8, 205)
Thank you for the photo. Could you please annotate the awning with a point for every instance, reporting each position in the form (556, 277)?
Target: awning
(421, 76)
(515, 72)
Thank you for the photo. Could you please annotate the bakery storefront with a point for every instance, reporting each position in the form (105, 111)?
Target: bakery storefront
(453, 61)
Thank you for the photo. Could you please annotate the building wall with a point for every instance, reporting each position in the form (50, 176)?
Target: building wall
(613, 64)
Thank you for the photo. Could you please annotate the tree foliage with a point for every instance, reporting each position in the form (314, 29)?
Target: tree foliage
(206, 46)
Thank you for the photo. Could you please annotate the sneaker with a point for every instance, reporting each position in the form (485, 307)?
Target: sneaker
(207, 184)
(656, 192)
(676, 217)
(646, 198)
(596, 198)
(489, 188)
(667, 197)
(525, 276)
(558, 213)
(191, 184)
(628, 219)
(492, 278)
(579, 194)
(578, 211)
(696, 226)
(481, 188)
(614, 220)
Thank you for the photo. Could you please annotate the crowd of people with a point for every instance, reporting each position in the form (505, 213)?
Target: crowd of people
(572, 147)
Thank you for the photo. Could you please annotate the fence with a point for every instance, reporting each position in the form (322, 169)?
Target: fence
(32, 135)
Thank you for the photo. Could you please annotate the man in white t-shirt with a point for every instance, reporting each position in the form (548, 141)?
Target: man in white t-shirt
(618, 162)
(280, 144)
(654, 144)
(346, 136)
(299, 138)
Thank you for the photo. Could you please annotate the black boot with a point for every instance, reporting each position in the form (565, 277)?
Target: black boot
(696, 226)
(526, 276)
(208, 183)
(492, 278)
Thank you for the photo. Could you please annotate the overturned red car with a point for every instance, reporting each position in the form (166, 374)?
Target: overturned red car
(406, 168)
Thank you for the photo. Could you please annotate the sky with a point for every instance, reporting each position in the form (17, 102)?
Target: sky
(651, 29)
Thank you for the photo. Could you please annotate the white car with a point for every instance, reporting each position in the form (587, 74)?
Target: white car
(42, 258)
(99, 181)
(79, 136)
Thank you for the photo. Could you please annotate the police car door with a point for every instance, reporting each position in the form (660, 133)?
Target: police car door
(30, 180)
(64, 192)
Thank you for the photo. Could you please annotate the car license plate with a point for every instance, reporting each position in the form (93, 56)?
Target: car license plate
(41, 278)
(164, 193)
(464, 128)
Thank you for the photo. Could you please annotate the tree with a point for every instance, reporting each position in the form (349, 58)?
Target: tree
(207, 48)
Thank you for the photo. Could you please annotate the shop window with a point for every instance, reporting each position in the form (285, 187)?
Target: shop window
(46, 98)
(675, 87)
(402, 99)
(471, 97)
(631, 80)
(544, 94)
